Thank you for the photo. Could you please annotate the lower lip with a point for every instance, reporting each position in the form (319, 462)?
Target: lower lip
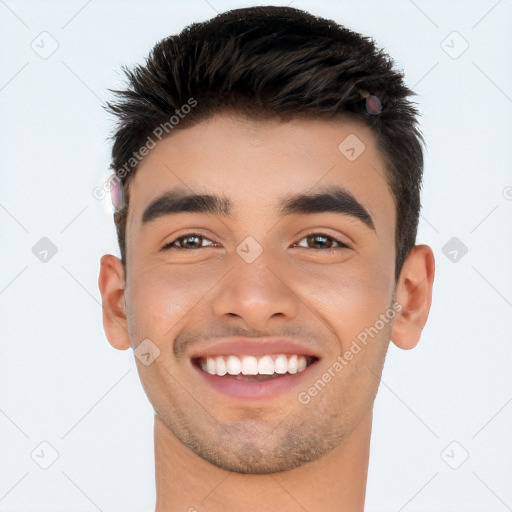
(253, 390)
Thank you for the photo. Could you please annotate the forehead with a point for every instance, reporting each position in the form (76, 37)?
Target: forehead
(256, 163)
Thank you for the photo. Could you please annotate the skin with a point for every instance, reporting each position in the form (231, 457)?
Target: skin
(216, 454)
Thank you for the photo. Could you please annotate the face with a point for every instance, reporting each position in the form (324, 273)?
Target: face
(277, 277)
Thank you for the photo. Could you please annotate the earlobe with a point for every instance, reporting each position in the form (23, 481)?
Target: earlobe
(111, 283)
(414, 294)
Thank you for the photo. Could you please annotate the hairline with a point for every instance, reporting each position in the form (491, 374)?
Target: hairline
(264, 114)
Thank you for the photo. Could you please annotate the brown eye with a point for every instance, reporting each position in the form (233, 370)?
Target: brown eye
(188, 241)
(322, 241)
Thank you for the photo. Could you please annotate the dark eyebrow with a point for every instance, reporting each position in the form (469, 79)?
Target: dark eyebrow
(330, 199)
(180, 200)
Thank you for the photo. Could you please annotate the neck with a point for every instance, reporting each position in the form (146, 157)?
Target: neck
(335, 482)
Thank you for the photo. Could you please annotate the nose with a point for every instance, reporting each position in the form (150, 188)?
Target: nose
(256, 292)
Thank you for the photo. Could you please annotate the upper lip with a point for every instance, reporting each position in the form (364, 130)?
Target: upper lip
(253, 347)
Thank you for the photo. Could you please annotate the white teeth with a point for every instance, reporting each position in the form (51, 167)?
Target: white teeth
(292, 364)
(220, 366)
(233, 365)
(266, 366)
(250, 365)
(281, 364)
(210, 365)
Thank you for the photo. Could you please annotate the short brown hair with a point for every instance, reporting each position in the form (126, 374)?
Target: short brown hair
(272, 62)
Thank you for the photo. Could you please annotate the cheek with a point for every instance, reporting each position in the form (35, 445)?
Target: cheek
(348, 298)
(159, 297)
(353, 302)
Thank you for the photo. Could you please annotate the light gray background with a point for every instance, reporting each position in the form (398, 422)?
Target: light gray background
(62, 383)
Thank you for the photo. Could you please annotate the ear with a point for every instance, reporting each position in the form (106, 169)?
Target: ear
(414, 293)
(111, 283)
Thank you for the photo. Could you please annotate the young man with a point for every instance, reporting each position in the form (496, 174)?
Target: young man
(268, 173)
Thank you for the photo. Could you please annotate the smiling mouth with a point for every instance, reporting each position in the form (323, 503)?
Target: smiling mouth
(254, 369)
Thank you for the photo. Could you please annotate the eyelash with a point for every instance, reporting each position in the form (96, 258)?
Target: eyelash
(170, 245)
